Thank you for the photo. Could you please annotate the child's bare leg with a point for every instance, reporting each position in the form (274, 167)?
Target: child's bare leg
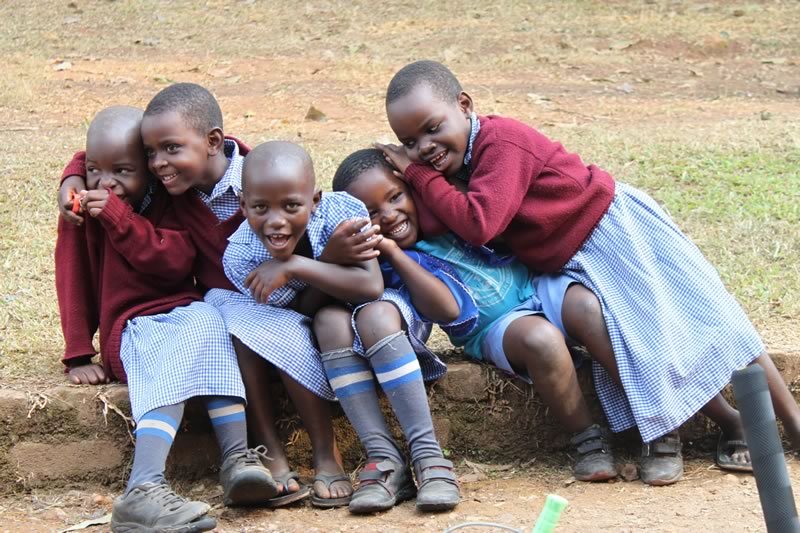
(785, 406)
(260, 410)
(583, 320)
(316, 416)
(535, 346)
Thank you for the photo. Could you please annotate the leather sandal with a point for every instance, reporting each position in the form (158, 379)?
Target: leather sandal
(662, 461)
(381, 486)
(594, 460)
(437, 485)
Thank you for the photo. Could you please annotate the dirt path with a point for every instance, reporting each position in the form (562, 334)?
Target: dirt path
(706, 498)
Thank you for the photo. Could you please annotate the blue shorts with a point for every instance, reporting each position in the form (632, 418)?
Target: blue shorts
(550, 292)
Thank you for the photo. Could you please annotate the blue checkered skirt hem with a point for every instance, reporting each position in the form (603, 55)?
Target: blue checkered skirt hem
(281, 336)
(418, 332)
(677, 333)
(174, 356)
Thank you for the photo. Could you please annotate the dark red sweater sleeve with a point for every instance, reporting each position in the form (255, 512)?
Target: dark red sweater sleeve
(497, 187)
(163, 252)
(76, 268)
(76, 166)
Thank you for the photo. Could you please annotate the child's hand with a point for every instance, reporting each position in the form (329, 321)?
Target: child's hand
(95, 201)
(91, 374)
(387, 248)
(66, 194)
(396, 156)
(349, 245)
(267, 277)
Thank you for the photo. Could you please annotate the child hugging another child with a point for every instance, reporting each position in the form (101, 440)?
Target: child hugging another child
(273, 258)
(674, 334)
(127, 270)
(510, 332)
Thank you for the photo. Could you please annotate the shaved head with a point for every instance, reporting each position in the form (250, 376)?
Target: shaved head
(117, 122)
(278, 160)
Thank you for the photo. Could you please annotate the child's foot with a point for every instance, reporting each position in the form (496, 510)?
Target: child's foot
(245, 480)
(331, 491)
(437, 485)
(156, 507)
(732, 453)
(594, 460)
(381, 486)
(662, 462)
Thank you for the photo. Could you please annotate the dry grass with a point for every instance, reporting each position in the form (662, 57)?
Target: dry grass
(696, 103)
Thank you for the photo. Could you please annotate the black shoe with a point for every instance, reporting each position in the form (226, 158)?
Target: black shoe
(662, 462)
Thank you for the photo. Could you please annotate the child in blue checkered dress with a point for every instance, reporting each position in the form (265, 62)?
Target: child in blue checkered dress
(156, 332)
(273, 260)
(444, 278)
(672, 334)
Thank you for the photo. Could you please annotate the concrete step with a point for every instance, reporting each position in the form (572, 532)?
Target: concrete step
(69, 435)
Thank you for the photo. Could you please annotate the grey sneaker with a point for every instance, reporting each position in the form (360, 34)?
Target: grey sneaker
(438, 487)
(382, 486)
(151, 508)
(593, 458)
(245, 480)
(662, 462)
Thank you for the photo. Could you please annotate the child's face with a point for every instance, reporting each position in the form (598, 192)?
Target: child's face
(434, 132)
(116, 161)
(277, 206)
(177, 153)
(389, 203)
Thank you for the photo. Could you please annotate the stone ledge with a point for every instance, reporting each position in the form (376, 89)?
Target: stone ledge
(70, 434)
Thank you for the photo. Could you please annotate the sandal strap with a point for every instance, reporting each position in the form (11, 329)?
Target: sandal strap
(330, 479)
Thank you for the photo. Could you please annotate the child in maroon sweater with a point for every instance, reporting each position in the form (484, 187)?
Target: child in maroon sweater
(201, 170)
(128, 269)
(673, 333)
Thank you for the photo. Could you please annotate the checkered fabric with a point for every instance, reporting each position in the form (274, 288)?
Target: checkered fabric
(224, 199)
(175, 356)
(677, 333)
(280, 335)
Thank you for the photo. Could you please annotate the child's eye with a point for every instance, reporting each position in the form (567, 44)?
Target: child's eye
(434, 129)
(409, 144)
(91, 170)
(292, 206)
(373, 214)
(172, 148)
(396, 196)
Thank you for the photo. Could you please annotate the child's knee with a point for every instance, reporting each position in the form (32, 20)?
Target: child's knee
(378, 320)
(332, 327)
(581, 308)
(545, 348)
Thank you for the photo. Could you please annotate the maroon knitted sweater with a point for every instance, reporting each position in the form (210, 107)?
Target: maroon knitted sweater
(116, 267)
(542, 200)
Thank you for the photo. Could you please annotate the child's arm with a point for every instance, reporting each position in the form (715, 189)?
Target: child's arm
(353, 284)
(165, 252)
(73, 179)
(495, 192)
(76, 276)
(430, 296)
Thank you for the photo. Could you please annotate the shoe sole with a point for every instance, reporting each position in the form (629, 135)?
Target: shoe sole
(404, 494)
(437, 507)
(251, 491)
(598, 476)
(206, 523)
(663, 482)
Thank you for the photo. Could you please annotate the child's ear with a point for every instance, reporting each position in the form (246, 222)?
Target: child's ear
(465, 103)
(216, 141)
(315, 200)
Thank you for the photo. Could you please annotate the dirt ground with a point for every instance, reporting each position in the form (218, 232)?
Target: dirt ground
(659, 92)
(707, 499)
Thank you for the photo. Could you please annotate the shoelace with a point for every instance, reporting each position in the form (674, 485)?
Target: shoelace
(166, 497)
(259, 453)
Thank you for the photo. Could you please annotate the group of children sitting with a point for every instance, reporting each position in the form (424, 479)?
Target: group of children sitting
(207, 267)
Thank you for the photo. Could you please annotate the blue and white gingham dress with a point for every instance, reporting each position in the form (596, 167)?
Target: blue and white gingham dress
(187, 352)
(280, 335)
(676, 331)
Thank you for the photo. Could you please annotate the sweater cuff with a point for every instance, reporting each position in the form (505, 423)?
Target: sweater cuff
(73, 362)
(114, 213)
(419, 175)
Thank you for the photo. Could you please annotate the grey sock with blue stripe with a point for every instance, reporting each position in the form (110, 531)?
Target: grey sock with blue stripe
(230, 424)
(396, 366)
(155, 433)
(354, 385)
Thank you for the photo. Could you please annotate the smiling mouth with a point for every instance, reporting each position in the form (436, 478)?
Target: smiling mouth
(168, 178)
(438, 160)
(398, 230)
(278, 240)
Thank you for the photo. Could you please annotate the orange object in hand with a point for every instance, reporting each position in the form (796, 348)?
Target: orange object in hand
(76, 202)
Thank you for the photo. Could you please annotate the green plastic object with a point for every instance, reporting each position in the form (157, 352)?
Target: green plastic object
(548, 518)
